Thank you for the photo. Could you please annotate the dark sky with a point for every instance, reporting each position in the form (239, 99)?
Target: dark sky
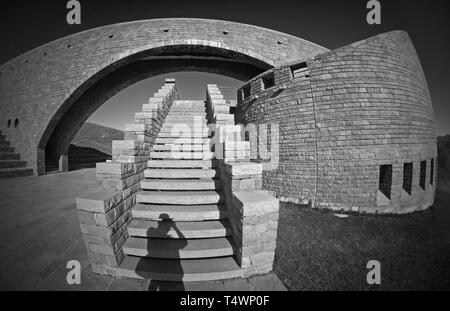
(28, 24)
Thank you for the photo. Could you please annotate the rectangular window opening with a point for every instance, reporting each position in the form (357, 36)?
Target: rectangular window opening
(299, 70)
(407, 177)
(423, 174)
(268, 81)
(385, 182)
(431, 171)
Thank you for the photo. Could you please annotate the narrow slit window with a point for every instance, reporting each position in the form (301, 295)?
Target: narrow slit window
(385, 182)
(431, 171)
(268, 81)
(423, 174)
(407, 177)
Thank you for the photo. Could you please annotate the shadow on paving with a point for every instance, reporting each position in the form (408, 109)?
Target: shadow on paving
(164, 226)
(319, 251)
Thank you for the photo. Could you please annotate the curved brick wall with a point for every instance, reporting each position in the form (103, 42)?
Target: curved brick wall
(40, 86)
(348, 117)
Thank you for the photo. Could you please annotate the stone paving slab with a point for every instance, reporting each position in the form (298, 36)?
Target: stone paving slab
(40, 233)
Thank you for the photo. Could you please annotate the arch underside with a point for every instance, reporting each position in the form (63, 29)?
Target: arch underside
(95, 92)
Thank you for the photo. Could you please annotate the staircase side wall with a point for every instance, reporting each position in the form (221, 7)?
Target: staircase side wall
(105, 215)
(252, 212)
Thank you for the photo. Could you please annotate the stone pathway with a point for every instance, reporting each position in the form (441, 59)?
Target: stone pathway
(40, 233)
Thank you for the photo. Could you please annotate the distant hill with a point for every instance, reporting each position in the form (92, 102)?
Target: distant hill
(92, 144)
(97, 137)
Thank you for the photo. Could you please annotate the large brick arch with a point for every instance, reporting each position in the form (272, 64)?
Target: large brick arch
(350, 121)
(54, 88)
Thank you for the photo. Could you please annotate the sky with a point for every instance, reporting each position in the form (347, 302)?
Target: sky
(119, 109)
(332, 24)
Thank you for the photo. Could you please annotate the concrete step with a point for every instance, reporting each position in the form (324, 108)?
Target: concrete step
(9, 156)
(183, 110)
(181, 173)
(180, 147)
(15, 172)
(159, 212)
(178, 248)
(6, 149)
(191, 135)
(182, 116)
(186, 270)
(12, 163)
(180, 197)
(181, 184)
(185, 229)
(183, 128)
(182, 163)
(186, 140)
(182, 155)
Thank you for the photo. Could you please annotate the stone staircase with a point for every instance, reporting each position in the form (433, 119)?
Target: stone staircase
(180, 230)
(10, 163)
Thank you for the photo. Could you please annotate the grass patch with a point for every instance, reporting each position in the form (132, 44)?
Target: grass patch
(319, 251)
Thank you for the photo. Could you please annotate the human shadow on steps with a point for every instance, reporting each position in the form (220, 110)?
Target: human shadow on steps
(164, 234)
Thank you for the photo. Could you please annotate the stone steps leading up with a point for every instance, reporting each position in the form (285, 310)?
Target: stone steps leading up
(181, 173)
(180, 147)
(159, 212)
(188, 229)
(9, 156)
(194, 155)
(186, 270)
(6, 149)
(12, 164)
(180, 197)
(180, 229)
(183, 140)
(182, 163)
(181, 184)
(187, 135)
(178, 248)
(15, 172)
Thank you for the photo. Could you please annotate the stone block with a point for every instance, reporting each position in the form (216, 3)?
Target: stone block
(99, 202)
(243, 168)
(252, 203)
(113, 168)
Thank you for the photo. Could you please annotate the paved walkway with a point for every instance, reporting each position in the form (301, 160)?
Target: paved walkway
(40, 233)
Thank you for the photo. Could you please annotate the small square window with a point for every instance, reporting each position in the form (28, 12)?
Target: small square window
(268, 81)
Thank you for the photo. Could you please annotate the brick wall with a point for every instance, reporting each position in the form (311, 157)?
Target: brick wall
(343, 114)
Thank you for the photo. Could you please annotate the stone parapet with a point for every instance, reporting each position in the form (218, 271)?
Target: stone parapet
(105, 214)
(253, 215)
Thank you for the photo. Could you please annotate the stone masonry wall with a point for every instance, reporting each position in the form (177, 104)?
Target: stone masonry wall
(105, 214)
(346, 117)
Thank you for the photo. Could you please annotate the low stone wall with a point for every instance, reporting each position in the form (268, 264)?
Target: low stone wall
(253, 215)
(252, 212)
(104, 215)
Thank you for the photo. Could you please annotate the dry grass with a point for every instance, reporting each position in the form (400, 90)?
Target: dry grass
(319, 251)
